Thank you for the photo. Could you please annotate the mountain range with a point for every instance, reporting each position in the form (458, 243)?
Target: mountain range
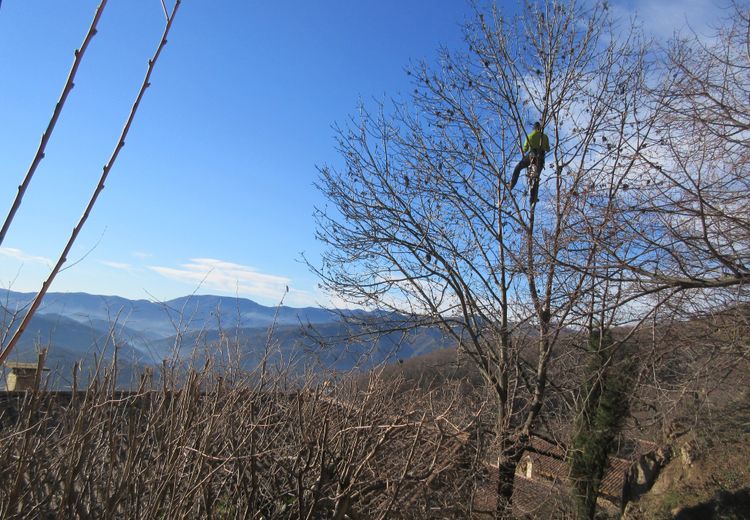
(83, 328)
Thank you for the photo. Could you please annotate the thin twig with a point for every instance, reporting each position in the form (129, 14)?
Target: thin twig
(164, 7)
(53, 120)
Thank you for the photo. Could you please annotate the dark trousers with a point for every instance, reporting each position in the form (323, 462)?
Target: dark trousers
(525, 162)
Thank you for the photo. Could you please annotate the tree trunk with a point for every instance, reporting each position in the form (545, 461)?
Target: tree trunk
(510, 456)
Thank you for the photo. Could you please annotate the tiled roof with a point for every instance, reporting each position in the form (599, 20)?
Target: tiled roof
(545, 446)
(537, 499)
(545, 466)
(531, 498)
(614, 479)
(548, 464)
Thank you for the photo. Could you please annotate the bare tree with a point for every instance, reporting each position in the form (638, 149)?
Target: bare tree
(681, 233)
(672, 238)
(422, 221)
(687, 217)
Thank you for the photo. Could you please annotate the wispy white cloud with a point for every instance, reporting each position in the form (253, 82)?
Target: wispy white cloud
(228, 277)
(117, 265)
(665, 18)
(17, 254)
(333, 301)
(141, 255)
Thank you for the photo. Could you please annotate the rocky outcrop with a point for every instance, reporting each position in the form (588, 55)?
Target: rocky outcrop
(644, 471)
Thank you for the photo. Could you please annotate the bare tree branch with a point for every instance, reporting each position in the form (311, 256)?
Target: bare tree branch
(100, 186)
(69, 83)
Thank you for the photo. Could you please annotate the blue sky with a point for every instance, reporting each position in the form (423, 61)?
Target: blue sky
(213, 191)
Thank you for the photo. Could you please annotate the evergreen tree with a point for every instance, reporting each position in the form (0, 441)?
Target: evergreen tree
(603, 408)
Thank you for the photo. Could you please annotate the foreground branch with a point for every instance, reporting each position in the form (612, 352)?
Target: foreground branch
(53, 120)
(100, 186)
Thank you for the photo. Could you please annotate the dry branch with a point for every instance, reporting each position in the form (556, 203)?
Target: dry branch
(100, 186)
(69, 83)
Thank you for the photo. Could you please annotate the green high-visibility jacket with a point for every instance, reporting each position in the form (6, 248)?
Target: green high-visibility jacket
(538, 141)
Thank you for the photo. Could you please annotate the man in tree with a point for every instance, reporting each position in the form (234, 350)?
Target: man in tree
(534, 149)
(414, 228)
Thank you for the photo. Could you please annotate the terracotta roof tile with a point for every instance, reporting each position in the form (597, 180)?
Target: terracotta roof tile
(614, 478)
(531, 498)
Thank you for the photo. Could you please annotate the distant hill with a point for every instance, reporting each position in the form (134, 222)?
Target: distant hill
(163, 319)
(333, 345)
(80, 327)
(69, 342)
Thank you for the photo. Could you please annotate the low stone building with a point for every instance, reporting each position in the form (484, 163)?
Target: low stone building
(21, 375)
